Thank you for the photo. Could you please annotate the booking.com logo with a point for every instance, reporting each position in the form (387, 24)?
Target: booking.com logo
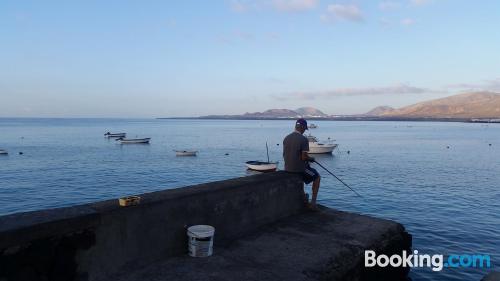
(436, 262)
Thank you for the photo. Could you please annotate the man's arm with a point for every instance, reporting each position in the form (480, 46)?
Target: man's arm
(305, 157)
(305, 149)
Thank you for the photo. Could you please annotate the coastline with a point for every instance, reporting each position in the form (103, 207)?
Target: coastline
(346, 118)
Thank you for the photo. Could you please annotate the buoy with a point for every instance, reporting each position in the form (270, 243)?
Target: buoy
(490, 144)
(447, 147)
(348, 152)
(226, 153)
(20, 153)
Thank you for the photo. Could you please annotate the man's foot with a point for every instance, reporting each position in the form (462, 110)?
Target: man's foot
(313, 207)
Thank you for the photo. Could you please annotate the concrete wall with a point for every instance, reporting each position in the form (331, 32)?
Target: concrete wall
(92, 241)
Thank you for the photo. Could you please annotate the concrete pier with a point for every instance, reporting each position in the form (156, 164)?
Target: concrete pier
(263, 232)
(328, 245)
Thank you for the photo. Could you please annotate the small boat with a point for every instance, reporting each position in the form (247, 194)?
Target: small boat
(185, 152)
(3, 152)
(315, 147)
(130, 141)
(262, 166)
(312, 126)
(115, 135)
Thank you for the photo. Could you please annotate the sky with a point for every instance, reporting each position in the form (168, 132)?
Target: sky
(123, 58)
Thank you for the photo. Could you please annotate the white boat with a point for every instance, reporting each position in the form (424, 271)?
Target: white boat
(3, 152)
(185, 152)
(115, 135)
(130, 141)
(312, 126)
(262, 166)
(315, 147)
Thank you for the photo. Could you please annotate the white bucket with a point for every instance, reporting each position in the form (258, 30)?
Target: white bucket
(200, 240)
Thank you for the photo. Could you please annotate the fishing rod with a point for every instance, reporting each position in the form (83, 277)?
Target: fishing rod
(337, 178)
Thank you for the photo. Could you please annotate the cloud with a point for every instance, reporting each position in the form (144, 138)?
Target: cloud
(242, 36)
(171, 23)
(22, 17)
(235, 37)
(400, 89)
(385, 22)
(339, 12)
(241, 6)
(407, 21)
(294, 5)
(273, 36)
(274, 80)
(492, 85)
(420, 2)
(389, 5)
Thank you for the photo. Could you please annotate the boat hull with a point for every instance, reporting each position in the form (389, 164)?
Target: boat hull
(134, 141)
(321, 148)
(3, 152)
(262, 166)
(117, 135)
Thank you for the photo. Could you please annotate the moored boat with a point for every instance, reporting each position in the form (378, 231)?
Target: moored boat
(262, 166)
(313, 126)
(185, 152)
(115, 135)
(131, 141)
(3, 152)
(315, 147)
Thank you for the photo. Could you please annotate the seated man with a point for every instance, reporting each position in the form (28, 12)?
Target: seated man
(295, 153)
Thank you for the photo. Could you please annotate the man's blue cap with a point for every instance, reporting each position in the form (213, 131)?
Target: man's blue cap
(302, 122)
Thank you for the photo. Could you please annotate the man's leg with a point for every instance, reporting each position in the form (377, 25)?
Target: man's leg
(315, 189)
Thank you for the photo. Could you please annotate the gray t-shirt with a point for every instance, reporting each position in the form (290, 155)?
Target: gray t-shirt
(293, 146)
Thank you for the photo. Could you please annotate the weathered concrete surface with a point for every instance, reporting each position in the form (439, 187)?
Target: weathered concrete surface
(92, 241)
(492, 276)
(328, 245)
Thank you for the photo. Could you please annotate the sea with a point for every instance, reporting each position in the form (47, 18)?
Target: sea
(441, 180)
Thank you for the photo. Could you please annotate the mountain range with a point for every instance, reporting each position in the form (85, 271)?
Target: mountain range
(461, 106)
(303, 112)
(468, 105)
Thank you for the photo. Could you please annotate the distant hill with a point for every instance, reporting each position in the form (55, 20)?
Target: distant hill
(469, 105)
(460, 107)
(305, 112)
(273, 113)
(379, 110)
(310, 112)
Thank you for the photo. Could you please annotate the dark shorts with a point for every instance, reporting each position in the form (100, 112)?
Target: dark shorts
(310, 175)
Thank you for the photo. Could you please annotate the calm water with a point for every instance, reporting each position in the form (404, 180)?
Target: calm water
(448, 198)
